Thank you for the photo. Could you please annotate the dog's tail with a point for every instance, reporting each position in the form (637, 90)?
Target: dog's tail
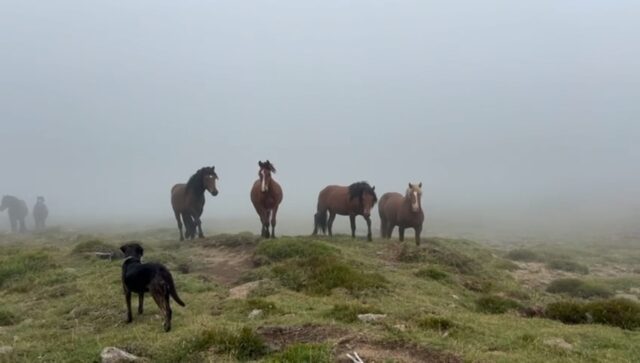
(172, 290)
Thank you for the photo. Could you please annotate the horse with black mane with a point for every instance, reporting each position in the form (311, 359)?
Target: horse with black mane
(188, 200)
(402, 211)
(17, 212)
(266, 195)
(356, 199)
(40, 214)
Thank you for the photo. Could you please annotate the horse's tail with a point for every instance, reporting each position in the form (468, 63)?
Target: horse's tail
(321, 220)
(172, 290)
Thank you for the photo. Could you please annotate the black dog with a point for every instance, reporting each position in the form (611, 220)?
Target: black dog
(147, 277)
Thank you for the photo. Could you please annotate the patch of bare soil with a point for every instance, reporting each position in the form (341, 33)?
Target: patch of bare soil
(226, 265)
(376, 351)
(279, 337)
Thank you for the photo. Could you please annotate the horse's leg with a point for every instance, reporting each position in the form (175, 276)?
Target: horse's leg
(332, 217)
(264, 221)
(418, 231)
(23, 228)
(177, 215)
(383, 227)
(190, 229)
(14, 224)
(352, 219)
(198, 223)
(368, 219)
(273, 221)
(315, 225)
(401, 233)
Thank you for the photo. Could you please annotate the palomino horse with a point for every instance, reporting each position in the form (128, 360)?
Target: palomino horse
(356, 199)
(187, 200)
(404, 212)
(266, 196)
(17, 212)
(40, 214)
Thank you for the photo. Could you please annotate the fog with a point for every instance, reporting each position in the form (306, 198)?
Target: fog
(517, 117)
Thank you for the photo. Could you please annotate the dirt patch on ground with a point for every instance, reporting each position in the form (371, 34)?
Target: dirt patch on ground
(226, 265)
(372, 351)
(279, 337)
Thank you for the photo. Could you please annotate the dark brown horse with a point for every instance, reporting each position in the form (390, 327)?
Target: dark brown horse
(40, 214)
(188, 199)
(404, 212)
(266, 195)
(356, 199)
(17, 212)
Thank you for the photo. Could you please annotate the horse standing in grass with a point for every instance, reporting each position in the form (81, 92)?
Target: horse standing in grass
(356, 199)
(266, 195)
(17, 212)
(402, 211)
(40, 214)
(188, 200)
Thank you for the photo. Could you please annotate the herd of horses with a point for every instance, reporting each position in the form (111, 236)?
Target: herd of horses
(188, 199)
(358, 199)
(18, 211)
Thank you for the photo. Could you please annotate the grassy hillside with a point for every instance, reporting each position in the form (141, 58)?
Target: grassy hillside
(447, 301)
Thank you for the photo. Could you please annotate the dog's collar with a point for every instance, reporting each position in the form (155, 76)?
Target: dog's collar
(130, 258)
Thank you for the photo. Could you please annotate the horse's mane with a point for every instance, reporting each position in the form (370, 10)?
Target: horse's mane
(195, 182)
(357, 190)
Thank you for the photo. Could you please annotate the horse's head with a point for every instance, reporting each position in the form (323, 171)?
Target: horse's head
(5, 203)
(266, 169)
(40, 199)
(209, 178)
(369, 200)
(414, 195)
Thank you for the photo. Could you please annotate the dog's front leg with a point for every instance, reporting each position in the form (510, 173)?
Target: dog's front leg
(140, 302)
(127, 296)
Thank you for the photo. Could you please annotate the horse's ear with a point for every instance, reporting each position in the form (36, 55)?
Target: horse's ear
(260, 164)
(410, 186)
(420, 185)
(373, 187)
(213, 168)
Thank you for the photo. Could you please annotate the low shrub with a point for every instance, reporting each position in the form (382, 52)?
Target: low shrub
(578, 288)
(493, 304)
(567, 265)
(348, 313)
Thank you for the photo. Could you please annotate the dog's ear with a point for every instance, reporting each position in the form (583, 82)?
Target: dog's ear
(123, 248)
(140, 250)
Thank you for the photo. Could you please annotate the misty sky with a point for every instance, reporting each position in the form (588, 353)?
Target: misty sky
(500, 108)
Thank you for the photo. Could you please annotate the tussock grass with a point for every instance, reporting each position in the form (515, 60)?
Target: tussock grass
(348, 313)
(229, 240)
(567, 265)
(524, 255)
(284, 248)
(578, 288)
(437, 323)
(8, 318)
(493, 304)
(432, 273)
(622, 313)
(303, 353)
(23, 265)
(96, 245)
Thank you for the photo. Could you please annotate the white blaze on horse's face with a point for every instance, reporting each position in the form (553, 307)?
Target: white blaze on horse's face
(414, 192)
(263, 180)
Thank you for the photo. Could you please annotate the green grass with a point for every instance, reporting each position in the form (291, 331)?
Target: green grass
(348, 313)
(621, 313)
(63, 308)
(578, 288)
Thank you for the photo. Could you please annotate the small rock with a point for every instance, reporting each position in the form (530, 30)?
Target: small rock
(6, 349)
(455, 297)
(370, 318)
(69, 270)
(255, 313)
(115, 355)
(635, 290)
(558, 343)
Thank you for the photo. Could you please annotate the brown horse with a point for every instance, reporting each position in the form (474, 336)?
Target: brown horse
(188, 199)
(17, 212)
(356, 199)
(404, 212)
(266, 196)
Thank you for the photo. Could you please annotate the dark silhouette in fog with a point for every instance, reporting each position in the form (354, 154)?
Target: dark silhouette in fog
(188, 200)
(266, 195)
(17, 212)
(404, 212)
(356, 199)
(40, 214)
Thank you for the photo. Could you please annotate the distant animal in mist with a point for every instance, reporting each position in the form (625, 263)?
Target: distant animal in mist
(153, 278)
(40, 214)
(266, 195)
(17, 212)
(356, 199)
(402, 211)
(188, 200)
